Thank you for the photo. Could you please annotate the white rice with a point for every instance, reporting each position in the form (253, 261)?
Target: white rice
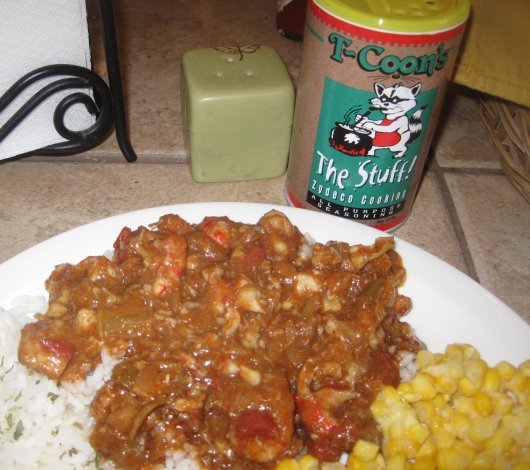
(42, 425)
(407, 365)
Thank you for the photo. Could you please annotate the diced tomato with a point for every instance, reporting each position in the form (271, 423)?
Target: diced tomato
(59, 348)
(254, 423)
(386, 368)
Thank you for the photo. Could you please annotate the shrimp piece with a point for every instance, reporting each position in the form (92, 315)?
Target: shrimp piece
(218, 229)
(275, 221)
(326, 381)
(43, 348)
(325, 257)
(360, 255)
(172, 262)
(280, 239)
(172, 223)
(248, 295)
(173, 256)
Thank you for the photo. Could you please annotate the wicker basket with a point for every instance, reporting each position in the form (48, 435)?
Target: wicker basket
(508, 127)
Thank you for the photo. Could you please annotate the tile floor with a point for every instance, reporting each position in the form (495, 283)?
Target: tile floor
(466, 211)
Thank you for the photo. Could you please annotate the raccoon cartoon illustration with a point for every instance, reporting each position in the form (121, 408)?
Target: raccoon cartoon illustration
(396, 130)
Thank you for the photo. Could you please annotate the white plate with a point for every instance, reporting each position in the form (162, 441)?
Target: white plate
(448, 306)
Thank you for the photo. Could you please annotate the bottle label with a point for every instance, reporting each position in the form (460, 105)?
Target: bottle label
(367, 105)
(367, 148)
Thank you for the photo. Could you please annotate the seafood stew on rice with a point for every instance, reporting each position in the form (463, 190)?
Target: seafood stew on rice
(240, 344)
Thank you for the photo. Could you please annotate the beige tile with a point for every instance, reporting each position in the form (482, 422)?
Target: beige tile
(39, 200)
(496, 222)
(461, 138)
(152, 37)
(430, 226)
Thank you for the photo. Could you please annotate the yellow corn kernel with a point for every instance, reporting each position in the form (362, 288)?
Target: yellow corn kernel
(308, 462)
(499, 442)
(446, 384)
(417, 433)
(454, 350)
(492, 380)
(465, 449)
(425, 411)
(423, 385)
(424, 358)
(482, 404)
(467, 387)
(365, 450)
(511, 424)
(452, 459)
(475, 370)
(436, 422)
(443, 439)
(525, 394)
(402, 447)
(517, 382)
(455, 370)
(404, 388)
(522, 466)
(390, 394)
(471, 353)
(391, 448)
(425, 463)
(460, 424)
(353, 463)
(379, 409)
(463, 405)
(397, 432)
(482, 429)
(513, 452)
(483, 461)
(439, 401)
(525, 368)
(427, 449)
(505, 370)
(437, 369)
(396, 462)
(446, 413)
(412, 397)
(378, 463)
(502, 403)
(288, 464)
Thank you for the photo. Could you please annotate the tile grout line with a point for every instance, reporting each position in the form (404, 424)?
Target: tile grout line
(470, 171)
(455, 219)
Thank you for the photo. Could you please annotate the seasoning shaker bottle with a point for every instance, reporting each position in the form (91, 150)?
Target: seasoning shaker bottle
(290, 18)
(371, 86)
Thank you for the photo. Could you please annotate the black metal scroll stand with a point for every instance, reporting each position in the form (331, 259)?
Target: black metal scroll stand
(107, 104)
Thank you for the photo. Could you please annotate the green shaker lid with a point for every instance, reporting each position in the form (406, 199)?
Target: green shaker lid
(407, 16)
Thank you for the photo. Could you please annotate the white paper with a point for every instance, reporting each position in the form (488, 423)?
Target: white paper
(35, 33)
